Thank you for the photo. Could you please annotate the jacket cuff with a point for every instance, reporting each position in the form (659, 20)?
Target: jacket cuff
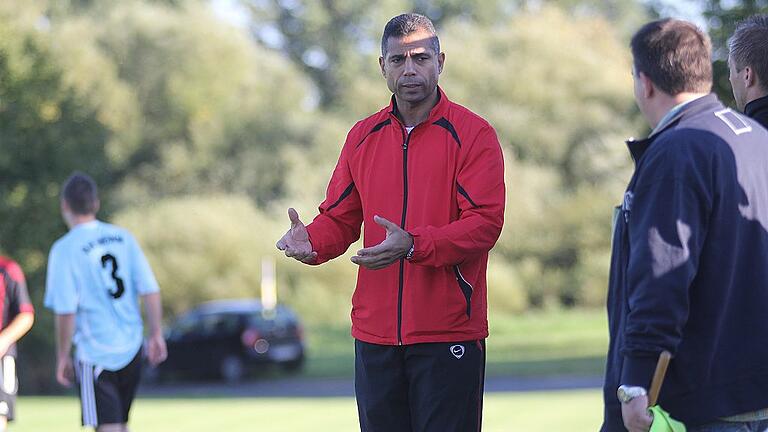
(317, 260)
(419, 244)
(638, 371)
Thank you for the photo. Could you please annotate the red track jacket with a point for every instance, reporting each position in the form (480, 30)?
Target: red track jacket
(444, 184)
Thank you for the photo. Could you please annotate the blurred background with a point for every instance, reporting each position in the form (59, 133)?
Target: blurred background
(203, 120)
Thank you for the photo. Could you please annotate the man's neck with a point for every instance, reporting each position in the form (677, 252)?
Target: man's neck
(753, 96)
(80, 220)
(412, 114)
(670, 102)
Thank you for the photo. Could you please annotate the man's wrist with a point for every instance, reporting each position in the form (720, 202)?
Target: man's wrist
(409, 254)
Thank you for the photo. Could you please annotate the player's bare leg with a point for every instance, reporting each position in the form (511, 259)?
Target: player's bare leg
(112, 427)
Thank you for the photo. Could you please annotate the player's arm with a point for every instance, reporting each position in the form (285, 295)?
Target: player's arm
(153, 309)
(20, 307)
(147, 287)
(65, 328)
(667, 228)
(336, 227)
(18, 327)
(481, 196)
(61, 296)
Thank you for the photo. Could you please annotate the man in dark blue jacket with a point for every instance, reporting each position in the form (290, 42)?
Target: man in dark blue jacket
(688, 268)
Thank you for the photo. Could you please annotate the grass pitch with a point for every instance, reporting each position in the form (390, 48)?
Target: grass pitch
(572, 411)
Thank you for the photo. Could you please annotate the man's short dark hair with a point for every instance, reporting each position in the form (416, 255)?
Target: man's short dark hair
(749, 47)
(80, 194)
(676, 55)
(405, 24)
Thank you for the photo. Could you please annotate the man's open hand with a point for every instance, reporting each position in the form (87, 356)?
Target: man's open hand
(395, 246)
(295, 243)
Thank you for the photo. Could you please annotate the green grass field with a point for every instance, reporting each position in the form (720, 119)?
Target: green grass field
(572, 411)
(572, 342)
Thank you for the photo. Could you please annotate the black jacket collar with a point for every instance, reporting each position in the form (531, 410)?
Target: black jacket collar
(709, 102)
(758, 110)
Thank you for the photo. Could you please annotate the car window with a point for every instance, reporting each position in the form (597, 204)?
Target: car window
(280, 318)
(186, 326)
(205, 325)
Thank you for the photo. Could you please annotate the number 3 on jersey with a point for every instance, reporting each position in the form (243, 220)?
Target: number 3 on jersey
(119, 282)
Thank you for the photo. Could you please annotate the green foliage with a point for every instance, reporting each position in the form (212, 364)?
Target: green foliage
(201, 97)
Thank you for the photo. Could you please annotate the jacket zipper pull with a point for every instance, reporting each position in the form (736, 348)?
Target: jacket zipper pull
(405, 145)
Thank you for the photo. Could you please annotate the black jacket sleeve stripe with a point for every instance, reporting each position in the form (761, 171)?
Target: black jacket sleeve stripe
(466, 195)
(344, 194)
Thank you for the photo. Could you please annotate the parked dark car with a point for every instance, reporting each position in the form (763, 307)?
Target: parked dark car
(228, 338)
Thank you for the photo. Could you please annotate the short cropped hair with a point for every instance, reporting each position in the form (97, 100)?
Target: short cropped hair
(676, 56)
(405, 24)
(80, 194)
(749, 47)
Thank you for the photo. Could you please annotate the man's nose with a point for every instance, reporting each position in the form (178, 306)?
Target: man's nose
(410, 67)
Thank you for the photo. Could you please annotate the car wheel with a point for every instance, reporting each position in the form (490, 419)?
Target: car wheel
(231, 369)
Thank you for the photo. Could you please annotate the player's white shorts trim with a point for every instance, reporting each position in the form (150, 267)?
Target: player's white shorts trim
(87, 376)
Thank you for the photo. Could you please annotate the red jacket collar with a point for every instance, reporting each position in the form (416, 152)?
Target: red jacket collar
(437, 111)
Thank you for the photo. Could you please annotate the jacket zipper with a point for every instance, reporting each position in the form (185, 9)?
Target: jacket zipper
(406, 139)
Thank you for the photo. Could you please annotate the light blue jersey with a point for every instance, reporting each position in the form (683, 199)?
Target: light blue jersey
(97, 271)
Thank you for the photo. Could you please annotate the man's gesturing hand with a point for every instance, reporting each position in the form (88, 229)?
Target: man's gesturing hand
(296, 242)
(395, 246)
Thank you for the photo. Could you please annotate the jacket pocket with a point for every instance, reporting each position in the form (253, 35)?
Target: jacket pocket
(465, 287)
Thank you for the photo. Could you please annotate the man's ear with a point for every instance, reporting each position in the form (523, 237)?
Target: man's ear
(750, 77)
(440, 62)
(381, 65)
(647, 85)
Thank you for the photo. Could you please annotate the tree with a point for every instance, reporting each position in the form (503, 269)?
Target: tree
(206, 109)
(46, 132)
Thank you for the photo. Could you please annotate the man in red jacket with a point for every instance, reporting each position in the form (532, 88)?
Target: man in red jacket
(425, 177)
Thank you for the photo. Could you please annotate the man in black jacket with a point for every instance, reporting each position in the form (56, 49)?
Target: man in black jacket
(688, 272)
(748, 64)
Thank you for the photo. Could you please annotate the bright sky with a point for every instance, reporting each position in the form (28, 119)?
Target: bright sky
(233, 11)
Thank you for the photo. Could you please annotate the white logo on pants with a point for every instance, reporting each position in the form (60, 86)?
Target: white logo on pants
(457, 351)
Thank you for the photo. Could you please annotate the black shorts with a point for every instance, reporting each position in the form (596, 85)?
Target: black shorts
(9, 385)
(428, 387)
(106, 396)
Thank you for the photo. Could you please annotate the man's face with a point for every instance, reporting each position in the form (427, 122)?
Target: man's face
(411, 66)
(738, 85)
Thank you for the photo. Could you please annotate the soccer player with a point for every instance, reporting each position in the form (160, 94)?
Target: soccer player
(96, 275)
(17, 318)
